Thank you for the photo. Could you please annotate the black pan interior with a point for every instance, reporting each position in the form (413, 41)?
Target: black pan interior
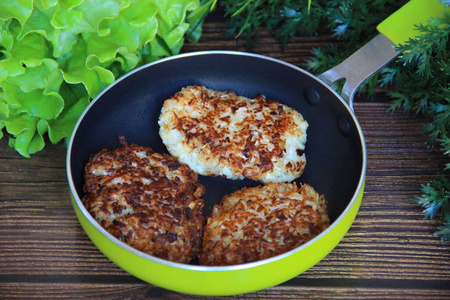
(131, 108)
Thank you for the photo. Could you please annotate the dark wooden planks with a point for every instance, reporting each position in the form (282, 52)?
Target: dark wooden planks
(140, 291)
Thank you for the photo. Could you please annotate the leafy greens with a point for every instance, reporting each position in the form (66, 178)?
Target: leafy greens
(55, 56)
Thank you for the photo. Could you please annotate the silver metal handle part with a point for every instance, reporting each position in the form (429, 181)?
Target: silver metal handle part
(361, 65)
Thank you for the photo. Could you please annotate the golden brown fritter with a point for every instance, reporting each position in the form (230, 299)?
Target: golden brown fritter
(146, 199)
(255, 223)
(221, 134)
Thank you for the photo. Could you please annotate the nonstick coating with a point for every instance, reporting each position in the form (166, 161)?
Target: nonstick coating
(131, 106)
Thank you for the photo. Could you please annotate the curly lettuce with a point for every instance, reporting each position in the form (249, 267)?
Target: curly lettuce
(55, 56)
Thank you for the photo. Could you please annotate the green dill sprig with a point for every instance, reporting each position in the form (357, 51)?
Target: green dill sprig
(422, 85)
(423, 78)
(435, 200)
(283, 18)
(443, 231)
(345, 19)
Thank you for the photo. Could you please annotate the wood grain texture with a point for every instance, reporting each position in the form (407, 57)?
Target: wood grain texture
(389, 252)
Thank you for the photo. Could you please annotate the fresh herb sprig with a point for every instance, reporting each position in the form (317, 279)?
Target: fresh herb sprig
(422, 83)
(435, 200)
(283, 18)
(418, 80)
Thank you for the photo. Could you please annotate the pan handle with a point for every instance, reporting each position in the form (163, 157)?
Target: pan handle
(377, 53)
(361, 65)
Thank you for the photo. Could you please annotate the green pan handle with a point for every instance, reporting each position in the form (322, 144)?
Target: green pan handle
(401, 25)
(395, 30)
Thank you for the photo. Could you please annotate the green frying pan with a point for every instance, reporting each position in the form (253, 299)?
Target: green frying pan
(335, 150)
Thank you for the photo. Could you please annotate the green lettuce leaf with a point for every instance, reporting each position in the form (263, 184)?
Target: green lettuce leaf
(17, 9)
(55, 56)
(75, 70)
(28, 133)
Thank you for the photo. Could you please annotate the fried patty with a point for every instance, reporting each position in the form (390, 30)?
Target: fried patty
(221, 134)
(146, 199)
(255, 223)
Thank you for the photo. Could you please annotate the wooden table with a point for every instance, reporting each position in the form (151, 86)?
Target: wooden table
(389, 252)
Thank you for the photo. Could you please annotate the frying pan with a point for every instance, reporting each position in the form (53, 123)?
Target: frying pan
(335, 149)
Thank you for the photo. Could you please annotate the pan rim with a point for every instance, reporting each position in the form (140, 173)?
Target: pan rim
(191, 267)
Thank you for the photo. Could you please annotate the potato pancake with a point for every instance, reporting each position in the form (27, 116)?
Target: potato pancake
(255, 223)
(146, 199)
(221, 134)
